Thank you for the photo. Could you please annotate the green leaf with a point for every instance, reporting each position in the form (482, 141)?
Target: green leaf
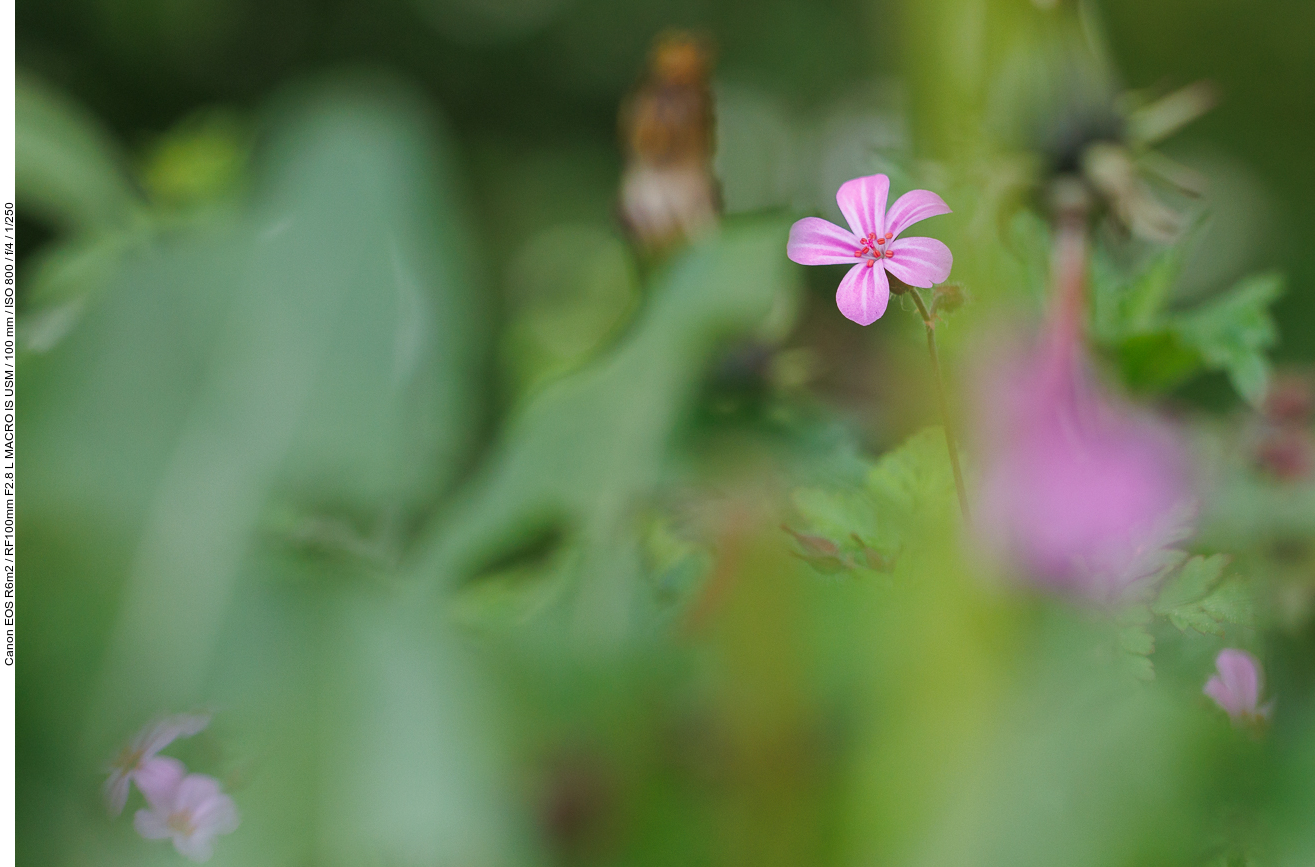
(914, 478)
(1156, 361)
(1195, 599)
(1124, 307)
(1136, 640)
(67, 169)
(836, 513)
(1233, 331)
(316, 352)
(582, 453)
(1144, 300)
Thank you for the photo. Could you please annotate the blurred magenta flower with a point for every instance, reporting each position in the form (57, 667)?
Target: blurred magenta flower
(1236, 688)
(142, 749)
(873, 239)
(192, 809)
(1082, 494)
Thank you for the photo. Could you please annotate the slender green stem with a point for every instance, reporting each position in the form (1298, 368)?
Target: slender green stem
(930, 325)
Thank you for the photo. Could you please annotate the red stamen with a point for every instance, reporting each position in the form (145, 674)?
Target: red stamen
(871, 262)
(881, 240)
(889, 235)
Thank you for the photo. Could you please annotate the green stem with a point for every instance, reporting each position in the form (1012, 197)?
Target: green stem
(930, 325)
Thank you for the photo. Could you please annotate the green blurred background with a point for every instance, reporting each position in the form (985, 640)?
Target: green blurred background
(350, 412)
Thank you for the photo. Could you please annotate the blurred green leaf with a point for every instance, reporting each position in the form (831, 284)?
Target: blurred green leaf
(586, 451)
(202, 159)
(1233, 331)
(67, 168)
(1157, 348)
(1156, 361)
(1194, 598)
(313, 357)
(914, 479)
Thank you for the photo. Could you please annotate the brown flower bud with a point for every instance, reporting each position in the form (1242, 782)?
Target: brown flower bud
(668, 193)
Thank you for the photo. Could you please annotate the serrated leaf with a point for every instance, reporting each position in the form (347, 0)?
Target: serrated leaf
(1192, 582)
(915, 476)
(1138, 666)
(1233, 331)
(1136, 640)
(1124, 307)
(1190, 602)
(836, 513)
(1230, 603)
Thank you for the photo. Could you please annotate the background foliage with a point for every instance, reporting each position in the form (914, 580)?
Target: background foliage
(350, 413)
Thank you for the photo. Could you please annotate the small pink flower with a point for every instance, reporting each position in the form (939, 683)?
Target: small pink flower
(1236, 688)
(191, 809)
(874, 241)
(145, 744)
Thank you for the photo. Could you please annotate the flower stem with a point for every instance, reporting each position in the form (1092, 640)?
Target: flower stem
(930, 325)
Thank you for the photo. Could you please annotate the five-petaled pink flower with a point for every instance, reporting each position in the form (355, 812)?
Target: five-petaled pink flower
(1236, 688)
(140, 752)
(190, 808)
(874, 240)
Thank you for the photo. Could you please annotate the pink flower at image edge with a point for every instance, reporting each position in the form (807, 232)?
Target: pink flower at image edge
(1236, 687)
(873, 239)
(190, 809)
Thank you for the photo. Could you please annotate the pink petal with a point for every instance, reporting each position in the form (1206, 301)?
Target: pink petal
(1214, 687)
(194, 791)
(116, 791)
(160, 734)
(159, 779)
(913, 206)
(863, 294)
(921, 262)
(1241, 675)
(863, 202)
(814, 241)
(216, 816)
(151, 824)
(196, 847)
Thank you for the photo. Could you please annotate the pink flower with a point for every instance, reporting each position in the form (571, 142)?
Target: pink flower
(874, 240)
(1084, 496)
(150, 740)
(1236, 688)
(190, 808)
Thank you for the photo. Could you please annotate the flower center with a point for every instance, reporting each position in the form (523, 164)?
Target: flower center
(128, 759)
(180, 822)
(875, 247)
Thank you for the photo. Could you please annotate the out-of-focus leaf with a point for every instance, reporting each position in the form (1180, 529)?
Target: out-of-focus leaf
(67, 169)
(850, 532)
(1233, 331)
(201, 159)
(836, 513)
(1158, 349)
(914, 479)
(1134, 644)
(1196, 599)
(1156, 361)
(572, 288)
(407, 773)
(315, 354)
(585, 451)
